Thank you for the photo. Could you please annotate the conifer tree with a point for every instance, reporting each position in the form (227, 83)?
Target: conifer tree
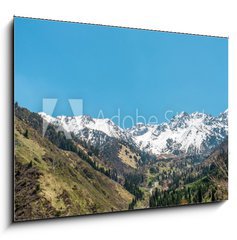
(26, 134)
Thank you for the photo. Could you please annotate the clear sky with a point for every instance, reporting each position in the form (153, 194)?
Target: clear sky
(111, 68)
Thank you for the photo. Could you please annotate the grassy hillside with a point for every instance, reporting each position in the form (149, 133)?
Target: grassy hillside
(51, 182)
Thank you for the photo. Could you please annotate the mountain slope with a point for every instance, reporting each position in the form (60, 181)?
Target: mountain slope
(199, 183)
(51, 182)
(218, 163)
(195, 133)
(101, 138)
(56, 176)
(96, 131)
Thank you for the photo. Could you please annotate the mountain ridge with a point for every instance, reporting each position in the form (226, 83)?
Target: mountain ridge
(57, 176)
(194, 133)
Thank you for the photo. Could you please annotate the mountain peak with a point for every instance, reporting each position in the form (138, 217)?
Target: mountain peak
(193, 133)
(180, 117)
(185, 133)
(182, 114)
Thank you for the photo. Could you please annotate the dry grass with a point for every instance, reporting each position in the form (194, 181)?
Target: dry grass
(128, 157)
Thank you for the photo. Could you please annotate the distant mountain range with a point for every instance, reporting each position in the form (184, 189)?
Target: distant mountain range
(104, 168)
(190, 134)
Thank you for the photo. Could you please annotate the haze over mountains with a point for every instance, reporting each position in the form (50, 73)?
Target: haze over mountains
(195, 133)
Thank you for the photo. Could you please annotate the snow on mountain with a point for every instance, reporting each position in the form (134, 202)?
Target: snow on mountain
(95, 131)
(194, 133)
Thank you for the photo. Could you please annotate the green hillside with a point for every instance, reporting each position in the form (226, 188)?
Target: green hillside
(200, 183)
(51, 182)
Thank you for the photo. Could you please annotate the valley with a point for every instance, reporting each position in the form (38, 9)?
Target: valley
(104, 168)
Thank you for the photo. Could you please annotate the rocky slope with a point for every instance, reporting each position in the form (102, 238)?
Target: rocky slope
(195, 133)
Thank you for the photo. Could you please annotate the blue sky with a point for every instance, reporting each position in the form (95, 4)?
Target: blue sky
(111, 68)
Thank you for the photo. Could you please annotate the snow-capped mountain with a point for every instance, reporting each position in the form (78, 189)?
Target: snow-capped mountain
(93, 130)
(194, 133)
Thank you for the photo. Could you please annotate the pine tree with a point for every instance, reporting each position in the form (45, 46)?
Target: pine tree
(26, 134)
(199, 194)
(213, 198)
